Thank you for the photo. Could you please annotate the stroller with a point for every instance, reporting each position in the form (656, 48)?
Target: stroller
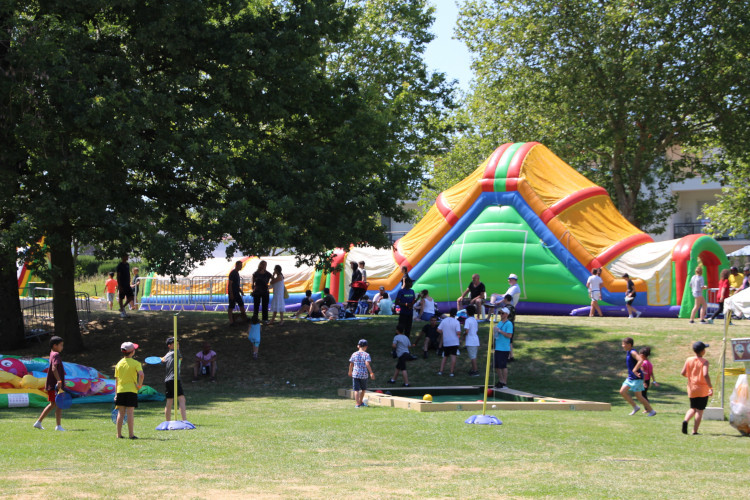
(359, 290)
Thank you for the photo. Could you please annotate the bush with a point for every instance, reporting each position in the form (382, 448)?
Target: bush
(108, 266)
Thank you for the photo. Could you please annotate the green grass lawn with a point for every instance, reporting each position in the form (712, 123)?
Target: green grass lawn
(258, 436)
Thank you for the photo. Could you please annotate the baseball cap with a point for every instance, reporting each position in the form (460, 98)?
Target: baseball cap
(170, 340)
(128, 346)
(512, 277)
(625, 275)
(505, 310)
(362, 342)
(699, 346)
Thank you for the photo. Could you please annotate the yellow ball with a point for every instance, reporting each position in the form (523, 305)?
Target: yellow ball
(427, 397)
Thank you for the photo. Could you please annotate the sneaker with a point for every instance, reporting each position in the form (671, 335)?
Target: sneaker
(499, 385)
(38, 425)
(651, 413)
(638, 314)
(358, 406)
(630, 317)
(440, 373)
(704, 321)
(692, 321)
(424, 355)
(684, 426)
(635, 410)
(391, 381)
(451, 375)
(133, 437)
(255, 355)
(405, 385)
(123, 314)
(59, 428)
(696, 434)
(194, 380)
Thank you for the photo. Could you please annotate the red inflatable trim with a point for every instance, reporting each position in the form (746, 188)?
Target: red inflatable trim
(623, 246)
(445, 210)
(514, 169)
(564, 203)
(489, 170)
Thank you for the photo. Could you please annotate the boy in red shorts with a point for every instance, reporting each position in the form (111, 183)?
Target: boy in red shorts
(55, 382)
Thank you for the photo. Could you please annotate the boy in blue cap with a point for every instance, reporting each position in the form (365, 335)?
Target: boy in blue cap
(359, 367)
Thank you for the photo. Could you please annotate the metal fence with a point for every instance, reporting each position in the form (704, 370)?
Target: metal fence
(203, 292)
(39, 315)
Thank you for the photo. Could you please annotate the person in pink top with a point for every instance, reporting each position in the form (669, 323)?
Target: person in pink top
(205, 363)
(647, 369)
(699, 386)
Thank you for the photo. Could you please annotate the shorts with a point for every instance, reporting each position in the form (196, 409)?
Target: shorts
(359, 384)
(51, 395)
(237, 301)
(596, 295)
(629, 300)
(126, 399)
(699, 403)
(169, 389)
(636, 385)
(472, 350)
(450, 350)
(126, 292)
(426, 316)
(501, 359)
(110, 297)
(401, 363)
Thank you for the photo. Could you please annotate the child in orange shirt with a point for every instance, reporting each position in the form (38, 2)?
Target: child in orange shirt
(699, 386)
(111, 287)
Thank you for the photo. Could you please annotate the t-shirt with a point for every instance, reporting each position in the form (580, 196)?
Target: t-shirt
(123, 275)
(472, 328)
(356, 276)
(55, 361)
(631, 288)
(234, 282)
(126, 373)
(405, 299)
(402, 344)
(735, 280)
(329, 300)
(594, 283)
(696, 285)
(451, 329)
(430, 331)
(260, 281)
(515, 292)
(502, 343)
(111, 285)
(697, 387)
(630, 361)
(306, 301)
(205, 358)
(476, 291)
(386, 307)
(647, 369)
(169, 365)
(359, 359)
(723, 290)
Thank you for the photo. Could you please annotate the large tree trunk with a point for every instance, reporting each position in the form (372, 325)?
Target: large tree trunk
(11, 319)
(64, 303)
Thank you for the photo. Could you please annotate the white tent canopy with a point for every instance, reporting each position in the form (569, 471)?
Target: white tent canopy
(739, 303)
(741, 252)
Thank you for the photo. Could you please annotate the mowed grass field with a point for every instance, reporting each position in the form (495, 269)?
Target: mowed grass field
(259, 436)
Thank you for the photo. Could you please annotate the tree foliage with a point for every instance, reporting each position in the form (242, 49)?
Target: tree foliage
(160, 128)
(619, 89)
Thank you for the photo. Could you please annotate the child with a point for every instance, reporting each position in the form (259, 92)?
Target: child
(205, 363)
(502, 335)
(629, 298)
(359, 366)
(634, 382)
(449, 330)
(168, 359)
(305, 305)
(648, 371)
(128, 380)
(401, 348)
(471, 339)
(699, 386)
(111, 286)
(55, 382)
(253, 335)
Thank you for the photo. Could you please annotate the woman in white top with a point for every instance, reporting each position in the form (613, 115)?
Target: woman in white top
(697, 285)
(278, 304)
(426, 306)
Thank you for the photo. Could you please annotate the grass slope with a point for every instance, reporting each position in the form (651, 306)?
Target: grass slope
(258, 436)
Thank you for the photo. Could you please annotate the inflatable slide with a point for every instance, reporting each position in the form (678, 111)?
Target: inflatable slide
(523, 211)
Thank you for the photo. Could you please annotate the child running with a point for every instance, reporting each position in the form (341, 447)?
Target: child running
(55, 382)
(169, 361)
(648, 371)
(634, 382)
(359, 367)
(401, 347)
(128, 380)
(699, 386)
(111, 286)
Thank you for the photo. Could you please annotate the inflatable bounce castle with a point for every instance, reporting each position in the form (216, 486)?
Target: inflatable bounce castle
(523, 211)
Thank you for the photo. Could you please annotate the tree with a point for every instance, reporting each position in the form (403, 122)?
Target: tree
(161, 128)
(616, 88)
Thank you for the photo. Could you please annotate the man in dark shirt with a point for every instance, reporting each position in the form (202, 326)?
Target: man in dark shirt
(123, 285)
(405, 300)
(234, 290)
(430, 334)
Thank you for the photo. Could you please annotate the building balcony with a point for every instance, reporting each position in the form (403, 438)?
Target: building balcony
(683, 229)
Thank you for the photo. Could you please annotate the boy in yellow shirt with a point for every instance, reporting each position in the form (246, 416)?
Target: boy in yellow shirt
(128, 380)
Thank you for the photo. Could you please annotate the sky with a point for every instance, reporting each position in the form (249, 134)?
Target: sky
(445, 53)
